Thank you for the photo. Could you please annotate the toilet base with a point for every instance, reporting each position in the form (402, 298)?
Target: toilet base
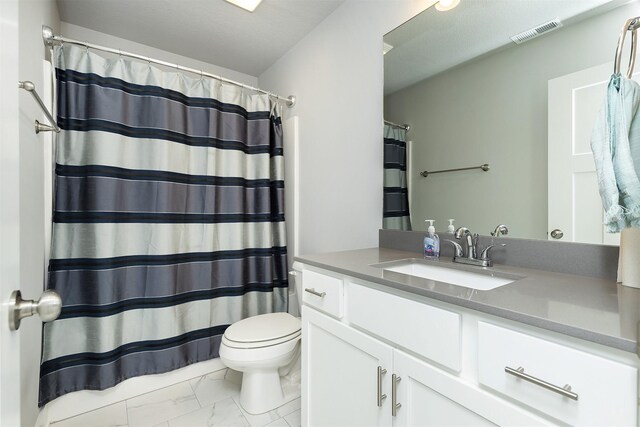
(261, 391)
(288, 387)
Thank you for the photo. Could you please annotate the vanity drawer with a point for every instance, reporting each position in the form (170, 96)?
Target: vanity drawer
(430, 332)
(323, 292)
(606, 390)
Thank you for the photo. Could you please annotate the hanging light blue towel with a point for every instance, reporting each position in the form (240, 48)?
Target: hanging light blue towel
(615, 143)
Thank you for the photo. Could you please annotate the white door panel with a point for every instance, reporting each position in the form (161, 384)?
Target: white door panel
(9, 213)
(574, 201)
(339, 374)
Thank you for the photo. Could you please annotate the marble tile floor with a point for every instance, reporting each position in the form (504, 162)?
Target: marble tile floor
(211, 400)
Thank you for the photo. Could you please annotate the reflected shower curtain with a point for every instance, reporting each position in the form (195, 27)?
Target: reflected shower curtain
(395, 210)
(168, 220)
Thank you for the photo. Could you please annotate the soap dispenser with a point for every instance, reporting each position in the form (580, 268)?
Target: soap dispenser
(431, 242)
(451, 229)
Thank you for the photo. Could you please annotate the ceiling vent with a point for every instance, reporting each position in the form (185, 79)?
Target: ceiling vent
(541, 29)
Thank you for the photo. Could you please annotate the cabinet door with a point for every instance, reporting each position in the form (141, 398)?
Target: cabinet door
(340, 374)
(431, 397)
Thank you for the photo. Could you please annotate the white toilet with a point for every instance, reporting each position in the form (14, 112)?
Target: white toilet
(259, 346)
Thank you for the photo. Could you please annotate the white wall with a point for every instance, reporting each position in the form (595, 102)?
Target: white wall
(336, 72)
(84, 34)
(32, 15)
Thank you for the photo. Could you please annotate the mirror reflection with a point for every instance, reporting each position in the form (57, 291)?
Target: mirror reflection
(501, 98)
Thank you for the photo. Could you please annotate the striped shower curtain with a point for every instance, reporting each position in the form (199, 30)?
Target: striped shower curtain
(395, 210)
(168, 220)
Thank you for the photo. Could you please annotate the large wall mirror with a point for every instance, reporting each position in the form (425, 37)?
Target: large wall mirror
(472, 96)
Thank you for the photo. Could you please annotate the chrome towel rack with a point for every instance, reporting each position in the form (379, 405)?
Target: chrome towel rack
(40, 127)
(484, 167)
(405, 126)
(632, 25)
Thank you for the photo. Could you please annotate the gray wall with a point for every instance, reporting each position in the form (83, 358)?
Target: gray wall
(336, 72)
(494, 110)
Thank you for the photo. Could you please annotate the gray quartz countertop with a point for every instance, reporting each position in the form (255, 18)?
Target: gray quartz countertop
(592, 309)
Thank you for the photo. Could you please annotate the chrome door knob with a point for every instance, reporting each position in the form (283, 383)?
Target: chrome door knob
(557, 233)
(48, 307)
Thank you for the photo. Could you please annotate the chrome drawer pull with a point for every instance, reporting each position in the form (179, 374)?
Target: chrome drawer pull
(381, 396)
(395, 379)
(314, 292)
(565, 391)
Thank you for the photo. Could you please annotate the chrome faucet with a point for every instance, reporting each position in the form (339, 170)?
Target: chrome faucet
(472, 240)
(470, 255)
(501, 229)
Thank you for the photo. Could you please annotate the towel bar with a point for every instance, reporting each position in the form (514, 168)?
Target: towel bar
(484, 167)
(632, 25)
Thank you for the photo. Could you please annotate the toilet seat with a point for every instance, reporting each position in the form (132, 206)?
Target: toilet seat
(260, 344)
(264, 330)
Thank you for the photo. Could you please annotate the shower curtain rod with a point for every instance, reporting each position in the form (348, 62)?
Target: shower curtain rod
(405, 127)
(50, 39)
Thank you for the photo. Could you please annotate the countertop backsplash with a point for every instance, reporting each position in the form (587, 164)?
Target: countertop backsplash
(562, 257)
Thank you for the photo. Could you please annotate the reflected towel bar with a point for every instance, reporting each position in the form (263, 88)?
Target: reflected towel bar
(40, 127)
(484, 167)
(405, 126)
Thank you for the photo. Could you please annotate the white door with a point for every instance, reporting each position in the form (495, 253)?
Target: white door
(340, 375)
(575, 207)
(9, 213)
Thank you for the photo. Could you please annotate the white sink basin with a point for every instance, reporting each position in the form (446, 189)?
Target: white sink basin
(482, 280)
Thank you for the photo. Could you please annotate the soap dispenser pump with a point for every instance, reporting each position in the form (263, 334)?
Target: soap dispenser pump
(431, 242)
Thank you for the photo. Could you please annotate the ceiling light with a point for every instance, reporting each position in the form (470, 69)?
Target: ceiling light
(249, 5)
(444, 5)
(386, 47)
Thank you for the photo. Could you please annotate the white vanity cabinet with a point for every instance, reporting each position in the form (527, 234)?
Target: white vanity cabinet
(340, 374)
(367, 348)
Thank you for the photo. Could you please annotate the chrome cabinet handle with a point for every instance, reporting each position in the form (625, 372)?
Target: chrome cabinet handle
(314, 292)
(381, 396)
(565, 391)
(395, 379)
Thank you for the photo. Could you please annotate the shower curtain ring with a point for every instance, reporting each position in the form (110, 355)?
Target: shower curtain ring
(86, 46)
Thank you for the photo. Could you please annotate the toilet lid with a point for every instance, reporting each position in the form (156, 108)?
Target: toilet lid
(264, 327)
